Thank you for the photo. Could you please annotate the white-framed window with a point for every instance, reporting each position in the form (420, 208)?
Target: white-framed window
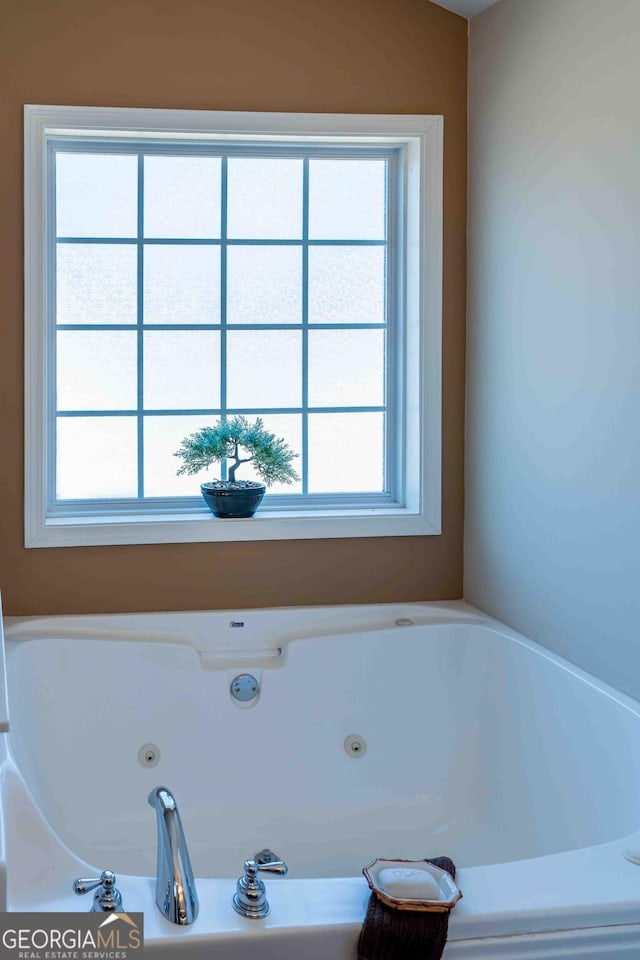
(182, 266)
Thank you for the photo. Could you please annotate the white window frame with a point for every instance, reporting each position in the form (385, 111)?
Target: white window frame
(420, 139)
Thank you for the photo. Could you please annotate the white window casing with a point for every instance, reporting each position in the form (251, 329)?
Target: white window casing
(415, 508)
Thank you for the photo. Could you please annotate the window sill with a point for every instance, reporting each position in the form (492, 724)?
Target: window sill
(204, 528)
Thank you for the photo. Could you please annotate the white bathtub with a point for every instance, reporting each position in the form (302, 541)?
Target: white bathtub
(480, 745)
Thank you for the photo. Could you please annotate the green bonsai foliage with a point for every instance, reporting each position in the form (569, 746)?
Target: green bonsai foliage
(270, 455)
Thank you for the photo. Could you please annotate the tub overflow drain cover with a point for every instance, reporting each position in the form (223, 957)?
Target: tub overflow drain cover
(244, 687)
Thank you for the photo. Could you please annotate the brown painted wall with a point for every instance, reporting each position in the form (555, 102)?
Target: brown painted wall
(342, 56)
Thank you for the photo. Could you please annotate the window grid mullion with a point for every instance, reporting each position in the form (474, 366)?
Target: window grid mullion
(214, 412)
(304, 454)
(224, 207)
(51, 336)
(231, 242)
(389, 379)
(218, 326)
(140, 327)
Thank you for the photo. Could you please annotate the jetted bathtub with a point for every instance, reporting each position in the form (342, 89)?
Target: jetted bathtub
(473, 742)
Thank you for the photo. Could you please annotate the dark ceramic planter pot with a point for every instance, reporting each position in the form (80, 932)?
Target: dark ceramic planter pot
(233, 502)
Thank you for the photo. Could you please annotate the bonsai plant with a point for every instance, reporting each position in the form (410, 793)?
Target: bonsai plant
(270, 455)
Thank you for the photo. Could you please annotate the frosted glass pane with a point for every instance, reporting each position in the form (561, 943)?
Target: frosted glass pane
(181, 284)
(264, 285)
(96, 283)
(264, 369)
(264, 198)
(346, 368)
(289, 427)
(346, 285)
(359, 437)
(96, 195)
(96, 370)
(182, 197)
(96, 457)
(347, 199)
(181, 369)
(162, 437)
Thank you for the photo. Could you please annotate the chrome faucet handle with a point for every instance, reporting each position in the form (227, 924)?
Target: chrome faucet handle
(106, 898)
(250, 898)
(274, 866)
(266, 856)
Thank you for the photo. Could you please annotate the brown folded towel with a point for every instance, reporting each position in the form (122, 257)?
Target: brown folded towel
(389, 934)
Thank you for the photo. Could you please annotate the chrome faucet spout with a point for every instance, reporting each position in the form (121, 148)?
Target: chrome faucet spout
(176, 894)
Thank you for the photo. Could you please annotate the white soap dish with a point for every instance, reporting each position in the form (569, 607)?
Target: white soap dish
(406, 874)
